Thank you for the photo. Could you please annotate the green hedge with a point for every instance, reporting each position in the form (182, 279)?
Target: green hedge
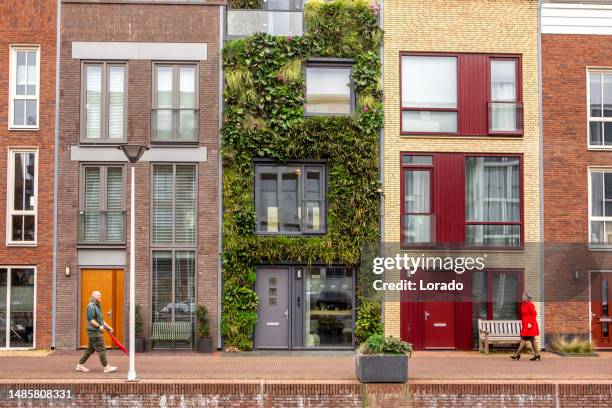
(264, 118)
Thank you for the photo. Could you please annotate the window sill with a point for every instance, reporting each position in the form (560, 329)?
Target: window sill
(460, 135)
(606, 248)
(22, 244)
(435, 248)
(24, 128)
(168, 143)
(100, 245)
(603, 148)
(289, 234)
(101, 143)
(327, 115)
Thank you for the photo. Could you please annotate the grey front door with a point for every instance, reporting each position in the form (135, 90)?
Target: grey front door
(272, 330)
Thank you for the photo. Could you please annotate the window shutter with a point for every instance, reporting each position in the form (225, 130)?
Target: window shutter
(91, 204)
(114, 204)
(93, 107)
(162, 204)
(116, 98)
(185, 205)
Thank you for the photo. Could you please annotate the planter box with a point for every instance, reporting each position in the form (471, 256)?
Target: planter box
(562, 354)
(139, 344)
(382, 368)
(204, 345)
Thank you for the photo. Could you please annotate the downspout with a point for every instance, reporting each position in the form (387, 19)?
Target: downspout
(55, 171)
(381, 148)
(541, 130)
(220, 182)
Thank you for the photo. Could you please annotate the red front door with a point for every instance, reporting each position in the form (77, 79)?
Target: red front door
(601, 316)
(439, 312)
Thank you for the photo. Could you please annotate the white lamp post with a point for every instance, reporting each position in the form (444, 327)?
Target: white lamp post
(133, 152)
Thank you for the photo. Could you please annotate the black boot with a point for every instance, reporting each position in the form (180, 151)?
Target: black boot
(534, 358)
(515, 357)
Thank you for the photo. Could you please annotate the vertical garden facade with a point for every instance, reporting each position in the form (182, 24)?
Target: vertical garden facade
(301, 191)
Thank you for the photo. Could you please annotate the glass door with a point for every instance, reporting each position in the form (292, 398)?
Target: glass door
(17, 286)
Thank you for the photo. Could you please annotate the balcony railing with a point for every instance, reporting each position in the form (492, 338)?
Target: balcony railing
(101, 227)
(174, 125)
(419, 230)
(506, 118)
(242, 23)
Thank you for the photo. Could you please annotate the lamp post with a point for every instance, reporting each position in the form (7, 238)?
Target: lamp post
(133, 152)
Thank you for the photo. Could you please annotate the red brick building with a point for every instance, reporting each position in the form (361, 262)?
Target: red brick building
(27, 122)
(577, 126)
(140, 73)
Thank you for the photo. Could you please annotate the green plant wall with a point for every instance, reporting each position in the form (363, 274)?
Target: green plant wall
(264, 118)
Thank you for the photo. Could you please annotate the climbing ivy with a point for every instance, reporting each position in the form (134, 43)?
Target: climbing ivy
(264, 118)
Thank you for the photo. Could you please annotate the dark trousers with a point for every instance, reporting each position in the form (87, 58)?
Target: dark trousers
(96, 343)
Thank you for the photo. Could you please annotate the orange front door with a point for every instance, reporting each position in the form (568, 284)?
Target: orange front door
(109, 282)
(601, 315)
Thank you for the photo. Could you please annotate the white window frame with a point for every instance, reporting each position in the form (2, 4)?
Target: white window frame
(8, 306)
(10, 198)
(603, 218)
(12, 88)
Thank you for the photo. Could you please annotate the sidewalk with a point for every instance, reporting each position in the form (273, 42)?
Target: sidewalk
(324, 367)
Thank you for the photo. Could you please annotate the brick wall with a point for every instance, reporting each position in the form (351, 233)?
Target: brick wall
(565, 59)
(152, 23)
(31, 22)
(315, 395)
(472, 26)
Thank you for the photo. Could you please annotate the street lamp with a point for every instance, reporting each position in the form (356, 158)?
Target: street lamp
(133, 152)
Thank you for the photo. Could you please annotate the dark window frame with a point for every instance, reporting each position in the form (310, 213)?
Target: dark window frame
(435, 210)
(304, 166)
(518, 98)
(331, 63)
(418, 167)
(104, 204)
(175, 126)
(104, 138)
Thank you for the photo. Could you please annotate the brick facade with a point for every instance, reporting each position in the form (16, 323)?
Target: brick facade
(188, 23)
(31, 22)
(567, 158)
(459, 26)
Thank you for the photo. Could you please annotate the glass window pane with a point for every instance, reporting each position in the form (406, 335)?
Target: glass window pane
(116, 101)
(31, 81)
(185, 203)
(3, 299)
(184, 286)
(31, 112)
(187, 125)
(22, 307)
(505, 296)
(164, 87)
(163, 193)
(22, 73)
(503, 80)
(289, 218)
(596, 133)
(595, 94)
(429, 82)
(18, 233)
(114, 204)
(328, 307)
(267, 208)
(328, 90)
(417, 191)
(161, 291)
(29, 228)
(597, 232)
(426, 160)
(163, 124)
(93, 101)
(29, 162)
(493, 235)
(607, 131)
(19, 113)
(597, 194)
(187, 87)
(492, 189)
(607, 186)
(607, 94)
(429, 121)
(19, 181)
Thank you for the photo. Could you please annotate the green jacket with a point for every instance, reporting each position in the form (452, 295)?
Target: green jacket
(94, 311)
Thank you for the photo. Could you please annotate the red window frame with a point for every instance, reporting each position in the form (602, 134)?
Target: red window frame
(434, 207)
(518, 98)
(418, 167)
(462, 110)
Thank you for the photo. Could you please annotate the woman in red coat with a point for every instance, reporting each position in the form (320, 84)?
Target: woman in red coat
(529, 330)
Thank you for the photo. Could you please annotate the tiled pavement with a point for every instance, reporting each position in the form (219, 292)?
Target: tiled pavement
(312, 366)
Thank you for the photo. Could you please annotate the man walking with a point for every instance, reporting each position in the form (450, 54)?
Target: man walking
(95, 328)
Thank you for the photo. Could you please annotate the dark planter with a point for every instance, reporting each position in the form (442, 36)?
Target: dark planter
(205, 345)
(382, 368)
(139, 344)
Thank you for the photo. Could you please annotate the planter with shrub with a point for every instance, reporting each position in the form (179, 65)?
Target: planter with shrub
(204, 341)
(383, 359)
(573, 347)
(139, 343)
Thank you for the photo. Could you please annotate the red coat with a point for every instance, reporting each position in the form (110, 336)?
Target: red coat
(528, 315)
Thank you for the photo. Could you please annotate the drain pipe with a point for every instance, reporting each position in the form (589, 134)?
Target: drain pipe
(541, 131)
(381, 149)
(220, 182)
(55, 171)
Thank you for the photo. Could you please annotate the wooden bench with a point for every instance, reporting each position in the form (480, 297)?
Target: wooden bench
(172, 331)
(498, 331)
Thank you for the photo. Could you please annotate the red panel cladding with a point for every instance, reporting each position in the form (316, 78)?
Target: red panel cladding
(473, 94)
(449, 200)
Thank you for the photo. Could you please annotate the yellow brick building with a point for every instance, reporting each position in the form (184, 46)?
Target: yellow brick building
(493, 29)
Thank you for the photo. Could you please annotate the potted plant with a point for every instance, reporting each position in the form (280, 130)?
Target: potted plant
(205, 343)
(383, 359)
(139, 343)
